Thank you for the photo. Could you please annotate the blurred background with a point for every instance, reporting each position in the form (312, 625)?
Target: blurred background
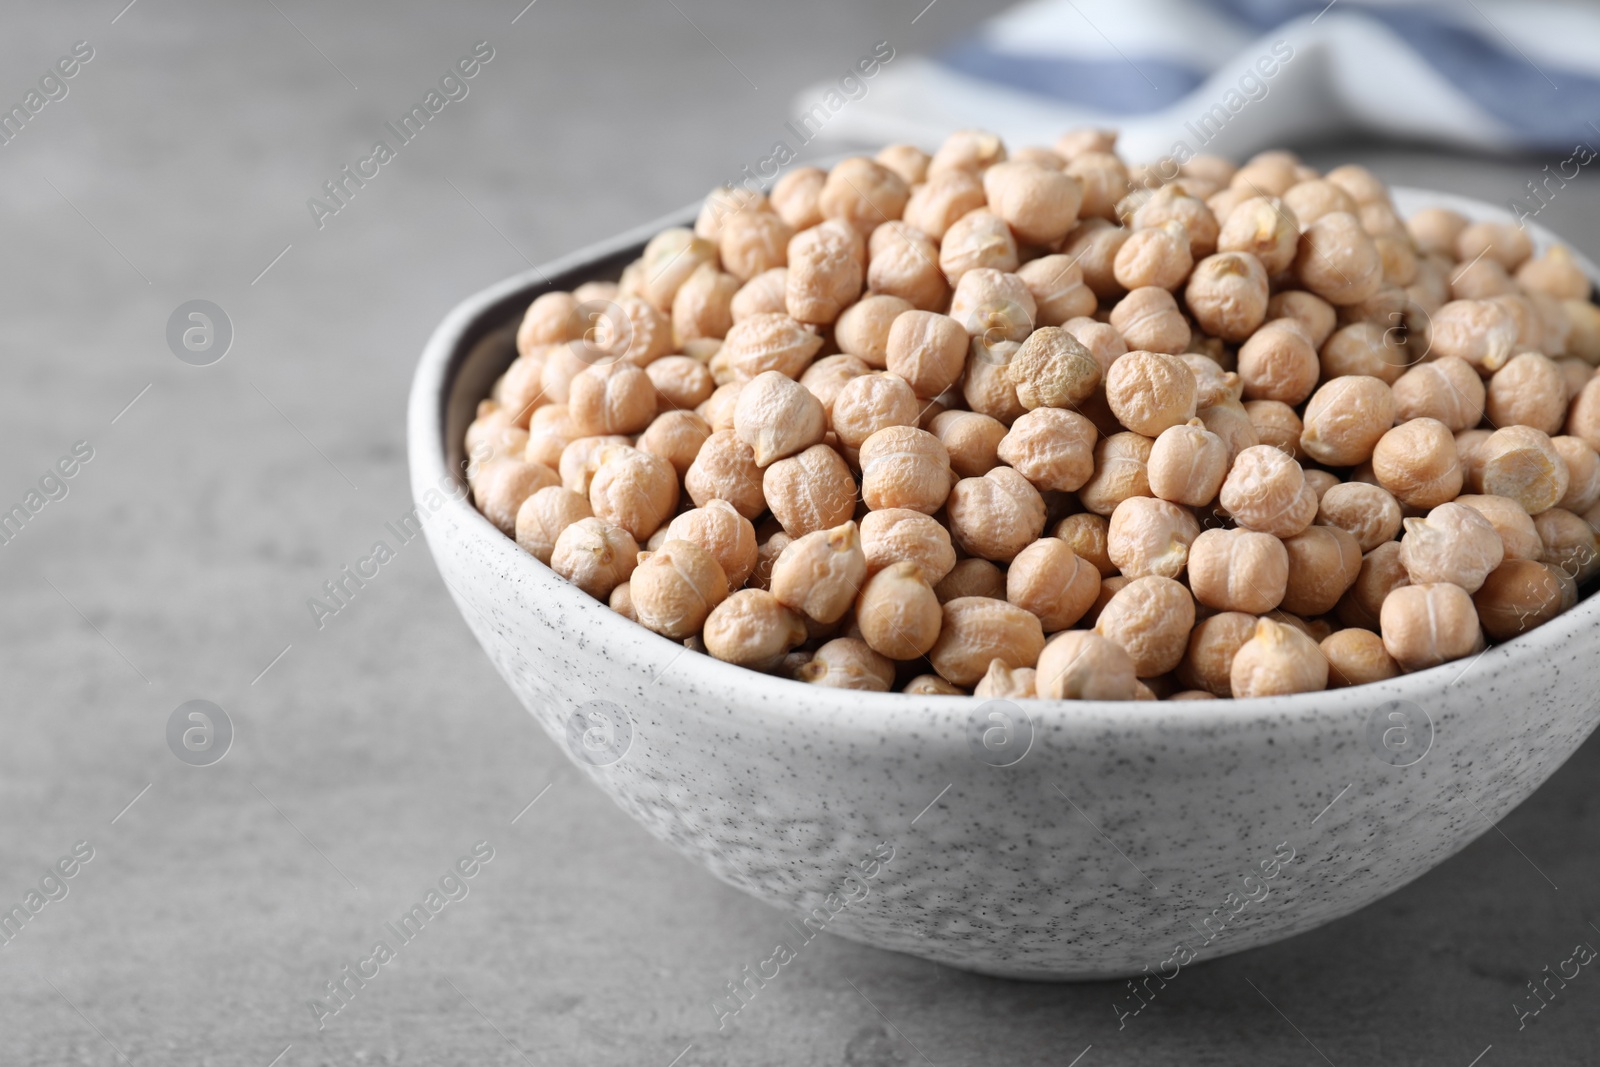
(368, 755)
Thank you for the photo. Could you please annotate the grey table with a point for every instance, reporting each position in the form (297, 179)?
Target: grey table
(372, 753)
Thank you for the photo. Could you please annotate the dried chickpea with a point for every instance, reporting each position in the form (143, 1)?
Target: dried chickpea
(1150, 391)
(893, 535)
(1212, 384)
(676, 436)
(1149, 320)
(1230, 420)
(1583, 420)
(1381, 572)
(1576, 373)
(1083, 665)
(543, 516)
(978, 239)
(1324, 562)
(1238, 571)
(971, 439)
(548, 321)
(870, 402)
(809, 492)
(723, 203)
(1477, 331)
(904, 467)
(827, 268)
(1265, 490)
(1278, 362)
(970, 150)
(986, 386)
(753, 242)
(1455, 543)
(1356, 657)
(673, 589)
(1502, 242)
(931, 685)
(1554, 274)
(820, 574)
(1104, 180)
(972, 578)
(863, 193)
(1583, 326)
(1227, 295)
(1426, 625)
(935, 205)
(1345, 419)
(681, 383)
(1208, 657)
(595, 556)
(1521, 594)
(724, 533)
(1053, 369)
(1157, 256)
(1149, 536)
(1436, 230)
(1121, 470)
(1277, 660)
(1172, 203)
(1048, 579)
(1007, 683)
(1583, 474)
(848, 663)
(796, 197)
(1520, 462)
(635, 490)
(1531, 390)
(668, 260)
(1264, 228)
(770, 342)
(1150, 618)
(1093, 244)
(1365, 348)
(581, 459)
(1187, 464)
(1320, 481)
(752, 629)
(725, 469)
(1101, 339)
(1519, 538)
(1338, 260)
(863, 328)
(1039, 203)
(1052, 448)
(719, 408)
(903, 262)
(777, 417)
(762, 295)
(1056, 284)
(976, 631)
(908, 161)
(1570, 544)
(1367, 512)
(927, 350)
(504, 485)
(1417, 462)
(994, 516)
(1310, 200)
(828, 375)
(993, 305)
(1086, 533)
(1446, 389)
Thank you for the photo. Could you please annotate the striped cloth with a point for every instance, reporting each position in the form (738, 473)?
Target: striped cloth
(1235, 76)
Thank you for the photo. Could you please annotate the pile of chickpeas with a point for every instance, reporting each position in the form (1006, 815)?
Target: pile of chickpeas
(1042, 424)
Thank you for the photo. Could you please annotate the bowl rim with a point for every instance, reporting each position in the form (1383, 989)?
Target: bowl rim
(482, 314)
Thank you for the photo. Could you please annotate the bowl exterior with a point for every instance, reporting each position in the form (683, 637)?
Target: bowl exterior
(1035, 839)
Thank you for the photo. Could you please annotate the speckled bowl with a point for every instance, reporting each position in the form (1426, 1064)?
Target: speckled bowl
(1042, 839)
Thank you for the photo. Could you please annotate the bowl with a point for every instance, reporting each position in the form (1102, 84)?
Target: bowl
(1034, 839)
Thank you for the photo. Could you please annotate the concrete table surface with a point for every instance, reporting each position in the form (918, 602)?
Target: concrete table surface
(374, 752)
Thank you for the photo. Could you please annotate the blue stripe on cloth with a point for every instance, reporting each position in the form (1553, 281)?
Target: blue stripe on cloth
(1117, 87)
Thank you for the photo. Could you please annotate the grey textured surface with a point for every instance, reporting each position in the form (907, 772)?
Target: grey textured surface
(377, 750)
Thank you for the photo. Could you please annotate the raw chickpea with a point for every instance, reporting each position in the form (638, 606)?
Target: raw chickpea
(724, 533)
(1502, 242)
(703, 307)
(931, 685)
(1007, 683)
(777, 417)
(894, 535)
(972, 578)
(1149, 320)
(595, 556)
(719, 408)
(863, 328)
(1227, 294)
(1048, 579)
(1324, 562)
(1365, 348)
(1477, 331)
(1265, 229)
(927, 350)
(908, 161)
(1094, 244)
(1313, 199)
(1455, 543)
(1469, 449)
(1171, 203)
(1446, 389)
(970, 150)
(676, 436)
(761, 295)
(581, 459)
(977, 239)
(767, 554)
(1083, 665)
(1320, 481)
(1052, 448)
(1480, 279)
(1519, 537)
(1367, 512)
(870, 402)
(504, 485)
(993, 305)
(1267, 173)
(1277, 661)
(1521, 594)
(543, 516)
(725, 469)
(1436, 230)
(1230, 421)
(978, 630)
(770, 342)
(935, 205)
(1531, 390)
(820, 574)
(1056, 285)
(1038, 203)
(1086, 534)
(1278, 362)
(1208, 658)
(796, 197)
(1570, 544)
(1149, 536)
(1521, 463)
(1150, 618)
(994, 517)
(1265, 490)
(670, 258)
(1053, 369)
(904, 467)
(681, 383)
(1238, 570)
(1187, 464)
(635, 490)
(1554, 274)
(1360, 183)
(520, 389)
(1158, 256)
(1150, 391)
(848, 663)
(1345, 420)
(1583, 421)
(986, 386)
(754, 242)
(809, 492)
(1212, 384)
(1104, 180)
(828, 375)
(564, 363)
(621, 602)
(1583, 324)
(897, 613)
(1357, 657)
(827, 268)
(1084, 139)
(1583, 474)
(904, 262)
(1399, 258)
(1337, 259)
(1101, 339)
(1417, 462)
(548, 321)
(863, 193)
(1121, 465)
(1109, 587)
(673, 589)
(595, 291)
(752, 629)
(1576, 374)
(722, 203)
(1381, 573)
(971, 439)
(1426, 625)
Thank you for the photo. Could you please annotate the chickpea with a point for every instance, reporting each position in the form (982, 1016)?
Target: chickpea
(1187, 464)
(614, 398)
(1056, 284)
(1477, 331)
(777, 417)
(820, 574)
(893, 535)
(908, 161)
(927, 350)
(1052, 448)
(1324, 562)
(724, 533)
(1208, 657)
(1570, 544)
(542, 517)
(548, 321)
(581, 459)
(1048, 579)
(935, 205)
(1446, 389)
(1367, 512)
(970, 150)
(1102, 340)
(1576, 374)
(995, 516)
(1556, 274)
(1502, 242)
(1519, 538)
(673, 589)
(1320, 481)
(1357, 657)
(1583, 421)
(863, 193)
(1521, 594)
(1150, 618)
(1264, 228)
(1149, 320)
(987, 386)
(1157, 256)
(796, 197)
(520, 390)
(931, 685)
(1583, 474)
(1083, 665)
(1007, 683)
(1520, 462)
(1346, 418)
(863, 327)
(1238, 571)
(1338, 260)
(719, 408)
(1104, 180)
(977, 239)
(972, 578)
(676, 436)
(1310, 200)
(1417, 462)
(752, 629)
(1583, 325)
(828, 375)
(1149, 536)
(1150, 391)
(722, 203)
(1094, 244)
(1278, 363)
(1531, 390)
(1265, 490)
(681, 383)
(1365, 348)
(897, 612)
(1227, 294)
(770, 342)
(811, 491)
(978, 630)
(596, 291)
(971, 439)
(1480, 279)
(1212, 384)
(1121, 464)
(870, 402)
(1053, 369)
(1230, 421)
(1277, 661)
(1426, 625)
(1381, 572)
(1436, 230)
(725, 469)
(827, 268)
(595, 556)
(1172, 203)
(904, 467)
(504, 485)
(762, 295)
(848, 663)
(993, 305)
(771, 547)
(1038, 203)
(1086, 534)
(634, 490)
(752, 243)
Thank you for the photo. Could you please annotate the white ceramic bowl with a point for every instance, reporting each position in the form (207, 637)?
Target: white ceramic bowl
(1041, 839)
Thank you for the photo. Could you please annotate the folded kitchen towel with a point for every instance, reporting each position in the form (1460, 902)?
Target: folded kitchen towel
(1232, 77)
